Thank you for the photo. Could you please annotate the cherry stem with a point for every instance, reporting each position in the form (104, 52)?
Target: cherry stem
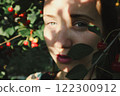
(10, 39)
(104, 70)
(95, 63)
(110, 34)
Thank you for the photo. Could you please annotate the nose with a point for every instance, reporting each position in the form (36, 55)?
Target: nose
(63, 38)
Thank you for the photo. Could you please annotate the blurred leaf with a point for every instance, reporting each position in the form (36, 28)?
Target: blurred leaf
(2, 33)
(95, 29)
(24, 32)
(116, 76)
(20, 42)
(39, 34)
(10, 31)
(79, 51)
(77, 73)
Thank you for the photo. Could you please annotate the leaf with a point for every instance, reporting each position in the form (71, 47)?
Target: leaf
(10, 31)
(32, 17)
(2, 33)
(95, 29)
(79, 51)
(77, 73)
(116, 76)
(24, 32)
(20, 42)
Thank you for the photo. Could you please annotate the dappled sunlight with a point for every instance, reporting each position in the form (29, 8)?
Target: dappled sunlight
(84, 1)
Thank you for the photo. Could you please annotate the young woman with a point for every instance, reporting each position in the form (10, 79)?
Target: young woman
(67, 24)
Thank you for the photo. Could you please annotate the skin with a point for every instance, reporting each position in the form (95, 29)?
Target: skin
(65, 26)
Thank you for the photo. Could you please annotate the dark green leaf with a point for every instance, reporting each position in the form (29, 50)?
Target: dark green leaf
(79, 51)
(94, 29)
(24, 32)
(77, 73)
(116, 76)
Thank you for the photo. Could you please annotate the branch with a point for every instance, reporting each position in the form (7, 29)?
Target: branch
(10, 40)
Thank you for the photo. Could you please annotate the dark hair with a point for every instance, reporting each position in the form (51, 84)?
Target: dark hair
(110, 22)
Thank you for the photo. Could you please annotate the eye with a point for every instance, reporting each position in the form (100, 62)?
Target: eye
(80, 24)
(51, 23)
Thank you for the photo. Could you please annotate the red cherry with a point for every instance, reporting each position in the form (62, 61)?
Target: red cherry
(115, 66)
(23, 15)
(10, 9)
(25, 43)
(34, 45)
(1, 47)
(41, 12)
(31, 31)
(8, 44)
(101, 45)
(27, 22)
(15, 15)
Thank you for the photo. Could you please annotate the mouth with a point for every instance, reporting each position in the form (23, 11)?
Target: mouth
(63, 58)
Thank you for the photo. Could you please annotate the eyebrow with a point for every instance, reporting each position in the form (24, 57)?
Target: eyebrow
(72, 16)
(48, 15)
(80, 15)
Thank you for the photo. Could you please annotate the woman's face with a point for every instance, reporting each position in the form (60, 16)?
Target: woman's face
(66, 25)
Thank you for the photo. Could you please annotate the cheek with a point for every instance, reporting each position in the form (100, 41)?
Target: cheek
(88, 38)
(49, 36)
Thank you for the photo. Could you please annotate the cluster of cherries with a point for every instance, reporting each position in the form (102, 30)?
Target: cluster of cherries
(34, 41)
(22, 15)
(115, 66)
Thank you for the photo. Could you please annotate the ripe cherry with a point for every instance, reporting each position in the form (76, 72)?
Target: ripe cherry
(15, 15)
(25, 43)
(1, 47)
(34, 45)
(41, 12)
(8, 44)
(31, 38)
(27, 23)
(23, 15)
(35, 40)
(101, 45)
(10, 9)
(31, 31)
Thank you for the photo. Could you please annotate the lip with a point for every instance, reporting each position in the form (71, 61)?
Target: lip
(63, 58)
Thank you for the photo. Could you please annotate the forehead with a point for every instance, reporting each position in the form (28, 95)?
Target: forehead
(71, 5)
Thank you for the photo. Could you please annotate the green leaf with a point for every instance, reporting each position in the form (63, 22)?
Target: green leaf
(32, 17)
(10, 31)
(20, 42)
(94, 29)
(77, 73)
(24, 32)
(79, 51)
(2, 33)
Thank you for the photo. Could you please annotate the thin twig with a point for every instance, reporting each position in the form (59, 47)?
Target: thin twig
(10, 39)
(104, 70)
(95, 63)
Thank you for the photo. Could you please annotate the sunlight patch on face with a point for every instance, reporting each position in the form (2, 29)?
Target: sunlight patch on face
(84, 1)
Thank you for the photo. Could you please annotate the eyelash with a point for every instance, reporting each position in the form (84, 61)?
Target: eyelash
(52, 23)
(80, 24)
